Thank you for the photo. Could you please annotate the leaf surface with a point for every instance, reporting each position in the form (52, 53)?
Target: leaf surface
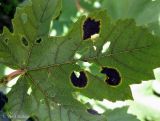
(120, 114)
(145, 12)
(49, 61)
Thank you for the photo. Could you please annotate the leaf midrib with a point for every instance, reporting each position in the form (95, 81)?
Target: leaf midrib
(92, 58)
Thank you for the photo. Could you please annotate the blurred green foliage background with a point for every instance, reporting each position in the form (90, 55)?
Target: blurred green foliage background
(7, 10)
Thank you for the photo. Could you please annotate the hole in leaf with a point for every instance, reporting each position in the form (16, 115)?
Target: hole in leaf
(79, 79)
(93, 112)
(3, 100)
(90, 28)
(113, 76)
(38, 41)
(24, 41)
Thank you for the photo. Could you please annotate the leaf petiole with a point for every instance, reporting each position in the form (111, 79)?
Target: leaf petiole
(11, 76)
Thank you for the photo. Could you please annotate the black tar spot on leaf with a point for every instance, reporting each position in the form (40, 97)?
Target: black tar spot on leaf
(90, 28)
(113, 76)
(80, 81)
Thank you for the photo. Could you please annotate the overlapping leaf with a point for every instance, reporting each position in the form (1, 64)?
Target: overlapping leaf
(65, 19)
(145, 12)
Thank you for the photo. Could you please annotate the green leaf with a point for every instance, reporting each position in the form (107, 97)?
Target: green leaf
(145, 12)
(18, 98)
(49, 61)
(65, 19)
(140, 10)
(32, 20)
(46, 110)
(2, 68)
(125, 53)
(53, 57)
(120, 114)
(23, 104)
